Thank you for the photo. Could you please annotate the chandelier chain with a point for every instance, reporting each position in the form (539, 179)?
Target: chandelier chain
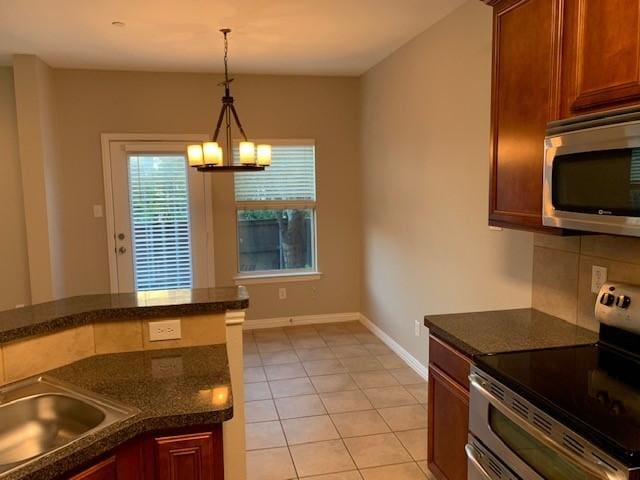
(226, 58)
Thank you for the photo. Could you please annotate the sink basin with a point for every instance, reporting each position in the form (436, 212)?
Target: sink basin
(40, 415)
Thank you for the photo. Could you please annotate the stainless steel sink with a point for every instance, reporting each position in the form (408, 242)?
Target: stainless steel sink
(40, 415)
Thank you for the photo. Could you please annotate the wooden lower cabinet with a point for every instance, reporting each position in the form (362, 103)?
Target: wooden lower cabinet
(173, 455)
(187, 457)
(104, 470)
(448, 405)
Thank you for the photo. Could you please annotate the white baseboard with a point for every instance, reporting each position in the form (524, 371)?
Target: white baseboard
(340, 317)
(412, 361)
(300, 320)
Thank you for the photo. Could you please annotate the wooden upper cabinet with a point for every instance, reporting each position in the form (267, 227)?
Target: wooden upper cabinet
(527, 38)
(601, 55)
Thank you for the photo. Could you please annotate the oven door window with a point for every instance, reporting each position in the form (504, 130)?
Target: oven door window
(602, 182)
(548, 463)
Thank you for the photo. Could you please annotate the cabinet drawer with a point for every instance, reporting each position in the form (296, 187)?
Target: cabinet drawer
(455, 364)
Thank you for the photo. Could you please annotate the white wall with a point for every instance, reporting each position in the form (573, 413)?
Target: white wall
(425, 179)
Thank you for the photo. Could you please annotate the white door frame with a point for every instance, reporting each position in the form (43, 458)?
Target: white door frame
(106, 139)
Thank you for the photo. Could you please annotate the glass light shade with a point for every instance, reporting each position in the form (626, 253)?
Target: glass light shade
(212, 153)
(264, 155)
(247, 153)
(195, 155)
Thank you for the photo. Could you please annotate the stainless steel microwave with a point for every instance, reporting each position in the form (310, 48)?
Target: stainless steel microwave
(592, 173)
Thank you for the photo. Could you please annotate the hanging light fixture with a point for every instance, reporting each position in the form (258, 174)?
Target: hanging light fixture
(209, 157)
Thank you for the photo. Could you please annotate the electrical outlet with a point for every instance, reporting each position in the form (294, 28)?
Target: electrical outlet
(165, 330)
(416, 327)
(598, 278)
(282, 293)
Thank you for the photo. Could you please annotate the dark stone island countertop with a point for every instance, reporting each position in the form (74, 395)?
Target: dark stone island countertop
(506, 330)
(170, 388)
(50, 317)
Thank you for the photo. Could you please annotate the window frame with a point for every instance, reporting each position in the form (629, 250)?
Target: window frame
(287, 275)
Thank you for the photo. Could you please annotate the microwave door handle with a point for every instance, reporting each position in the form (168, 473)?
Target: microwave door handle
(601, 471)
(473, 458)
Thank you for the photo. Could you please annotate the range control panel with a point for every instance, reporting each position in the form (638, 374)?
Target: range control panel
(618, 305)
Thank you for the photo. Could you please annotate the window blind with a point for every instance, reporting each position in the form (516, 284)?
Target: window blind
(292, 176)
(159, 202)
(634, 174)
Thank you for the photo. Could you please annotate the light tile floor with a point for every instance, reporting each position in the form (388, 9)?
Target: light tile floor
(331, 402)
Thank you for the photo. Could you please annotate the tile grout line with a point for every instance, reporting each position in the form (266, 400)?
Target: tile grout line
(333, 424)
(318, 394)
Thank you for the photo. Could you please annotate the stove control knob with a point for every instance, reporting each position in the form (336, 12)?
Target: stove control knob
(623, 301)
(607, 299)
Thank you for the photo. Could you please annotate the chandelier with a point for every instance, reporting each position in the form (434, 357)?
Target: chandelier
(209, 157)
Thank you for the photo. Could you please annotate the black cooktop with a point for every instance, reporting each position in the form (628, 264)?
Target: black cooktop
(592, 389)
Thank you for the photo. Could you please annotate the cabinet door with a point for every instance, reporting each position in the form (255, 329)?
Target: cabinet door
(526, 57)
(448, 405)
(601, 55)
(105, 470)
(195, 456)
(126, 463)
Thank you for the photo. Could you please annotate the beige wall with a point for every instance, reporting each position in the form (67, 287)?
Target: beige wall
(562, 272)
(425, 132)
(38, 148)
(89, 103)
(14, 281)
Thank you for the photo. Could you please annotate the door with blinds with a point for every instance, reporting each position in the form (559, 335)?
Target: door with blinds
(162, 218)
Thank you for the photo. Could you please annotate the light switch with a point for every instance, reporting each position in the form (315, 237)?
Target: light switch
(97, 211)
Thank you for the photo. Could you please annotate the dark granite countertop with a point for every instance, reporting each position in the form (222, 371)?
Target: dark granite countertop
(506, 330)
(76, 311)
(171, 389)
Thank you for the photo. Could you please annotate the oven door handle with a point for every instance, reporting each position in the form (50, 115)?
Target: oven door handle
(473, 458)
(599, 469)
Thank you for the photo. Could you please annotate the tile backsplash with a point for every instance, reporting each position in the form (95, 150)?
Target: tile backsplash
(30, 356)
(562, 272)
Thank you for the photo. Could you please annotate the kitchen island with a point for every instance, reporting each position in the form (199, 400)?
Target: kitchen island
(180, 392)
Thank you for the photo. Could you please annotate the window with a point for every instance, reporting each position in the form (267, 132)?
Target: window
(276, 213)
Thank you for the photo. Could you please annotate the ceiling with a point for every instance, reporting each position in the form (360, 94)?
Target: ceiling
(316, 37)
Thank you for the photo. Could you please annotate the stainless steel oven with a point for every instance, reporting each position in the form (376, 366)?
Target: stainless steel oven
(592, 173)
(512, 439)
